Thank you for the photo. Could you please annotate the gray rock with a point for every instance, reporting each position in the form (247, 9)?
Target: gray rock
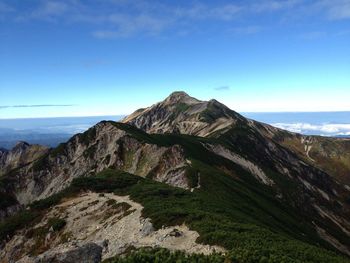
(147, 228)
(88, 253)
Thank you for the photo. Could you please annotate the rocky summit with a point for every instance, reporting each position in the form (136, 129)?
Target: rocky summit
(189, 179)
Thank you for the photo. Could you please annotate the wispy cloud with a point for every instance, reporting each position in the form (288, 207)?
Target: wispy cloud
(222, 88)
(125, 19)
(343, 33)
(225, 12)
(5, 9)
(246, 30)
(36, 106)
(85, 64)
(161, 18)
(336, 9)
(49, 10)
(125, 25)
(314, 35)
(273, 5)
(307, 128)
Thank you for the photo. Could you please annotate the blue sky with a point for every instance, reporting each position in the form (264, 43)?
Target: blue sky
(94, 57)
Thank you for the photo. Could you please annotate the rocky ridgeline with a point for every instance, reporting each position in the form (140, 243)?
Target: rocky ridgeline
(297, 169)
(20, 155)
(103, 146)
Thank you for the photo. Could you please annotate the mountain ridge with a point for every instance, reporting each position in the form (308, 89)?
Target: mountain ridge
(206, 119)
(204, 149)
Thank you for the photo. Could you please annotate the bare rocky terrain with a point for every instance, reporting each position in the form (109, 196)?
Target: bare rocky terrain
(20, 155)
(114, 223)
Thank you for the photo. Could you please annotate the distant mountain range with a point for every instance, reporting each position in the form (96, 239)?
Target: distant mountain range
(182, 174)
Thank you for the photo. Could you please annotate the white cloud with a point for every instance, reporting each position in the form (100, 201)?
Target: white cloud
(270, 6)
(330, 9)
(46, 10)
(225, 12)
(222, 88)
(5, 8)
(35, 106)
(123, 18)
(307, 128)
(313, 35)
(337, 9)
(126, 26)
(201, 11)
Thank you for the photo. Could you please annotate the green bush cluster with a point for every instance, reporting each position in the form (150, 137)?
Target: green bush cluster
(19, 221)
(162, 255)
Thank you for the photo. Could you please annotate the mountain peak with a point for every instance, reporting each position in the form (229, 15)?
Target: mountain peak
(180, 96)
(20, 145)
(181, 113)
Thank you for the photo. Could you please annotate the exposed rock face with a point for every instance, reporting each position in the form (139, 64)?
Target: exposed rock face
(98, 227)
(180, 113)
(20, 155)
(101, 147)
(244, 163)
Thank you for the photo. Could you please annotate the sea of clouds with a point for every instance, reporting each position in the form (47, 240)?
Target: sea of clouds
(326, 129)
(310, 123)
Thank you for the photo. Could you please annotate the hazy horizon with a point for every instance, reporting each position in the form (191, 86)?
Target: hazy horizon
(52, 131)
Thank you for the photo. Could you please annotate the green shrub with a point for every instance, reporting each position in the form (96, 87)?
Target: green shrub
(18, 221)
(107, 181)
(162, 255)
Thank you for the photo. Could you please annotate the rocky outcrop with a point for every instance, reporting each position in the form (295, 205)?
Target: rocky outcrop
(105, 145)
(21, 154)
(244, 163)
(88, 253)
